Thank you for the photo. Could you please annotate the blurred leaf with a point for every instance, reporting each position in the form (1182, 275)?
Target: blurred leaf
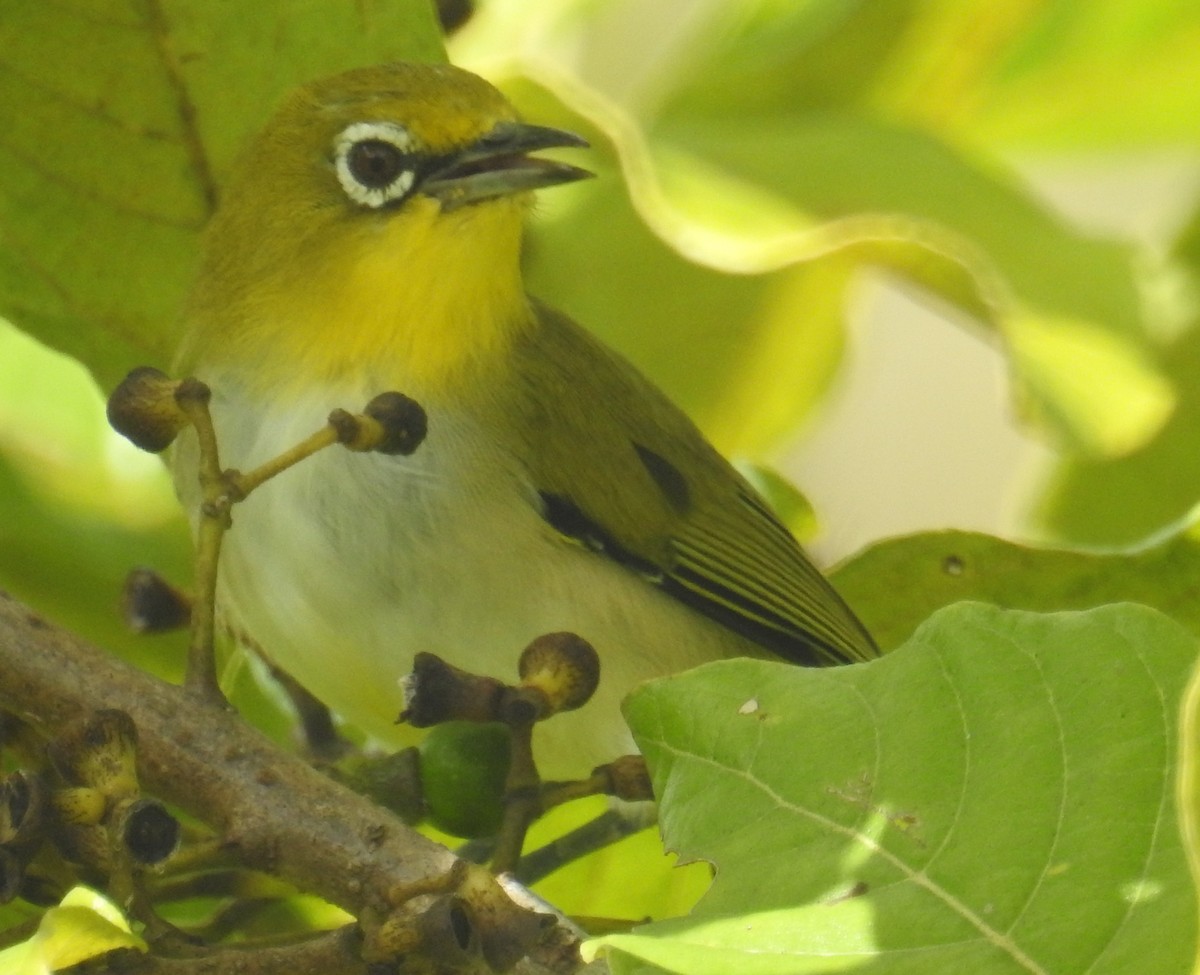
(75, 514)
(1047, 73)
(1096, 385)
(54, 431)
(971, 802)
(84, 926)
(71, 566)
(1103, 74)
(1055, 74)
(829, 158)
(598, 886)
(1027, 266)
(763, 58)
(896, 584)
(119, 121)
(1121, 500)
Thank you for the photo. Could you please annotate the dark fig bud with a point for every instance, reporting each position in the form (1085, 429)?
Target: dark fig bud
(436, 691)
(628, 779)
(403, 421)
(150, 604)
(563, 667)
(148, 832)
(392, 423)
(452, 14)
(144, 409)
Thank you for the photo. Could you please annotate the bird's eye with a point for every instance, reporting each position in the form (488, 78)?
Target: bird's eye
(374, 163)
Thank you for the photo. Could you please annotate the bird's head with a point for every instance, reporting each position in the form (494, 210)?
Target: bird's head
(375, 198)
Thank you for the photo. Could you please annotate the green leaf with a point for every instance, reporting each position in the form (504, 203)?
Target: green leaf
(71, 566)
(119, 121)
(903, 198)
(995, 796)
(897, 583)
(1064, 76)
(1121, 500)
(1103, 74)
(84, 926)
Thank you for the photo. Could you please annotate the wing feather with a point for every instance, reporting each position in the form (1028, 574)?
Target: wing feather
(638, 483)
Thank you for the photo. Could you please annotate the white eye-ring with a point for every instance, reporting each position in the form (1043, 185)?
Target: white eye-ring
(374, 162)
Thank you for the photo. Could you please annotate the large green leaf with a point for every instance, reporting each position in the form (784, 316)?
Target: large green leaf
(996, 796)
(119, 120)
(1059, 74)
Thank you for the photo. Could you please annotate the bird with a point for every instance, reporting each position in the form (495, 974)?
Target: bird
(369, 240)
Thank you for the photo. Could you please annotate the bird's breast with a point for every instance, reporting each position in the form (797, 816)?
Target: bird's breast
(343, 567)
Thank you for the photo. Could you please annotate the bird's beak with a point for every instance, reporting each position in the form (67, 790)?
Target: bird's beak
(498, 164)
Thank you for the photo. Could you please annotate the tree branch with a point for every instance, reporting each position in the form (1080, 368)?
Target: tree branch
(273, 811)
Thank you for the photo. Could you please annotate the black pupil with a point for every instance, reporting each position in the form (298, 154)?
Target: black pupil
(375, 163)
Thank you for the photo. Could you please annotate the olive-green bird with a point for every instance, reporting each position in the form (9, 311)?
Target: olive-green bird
(369, 241)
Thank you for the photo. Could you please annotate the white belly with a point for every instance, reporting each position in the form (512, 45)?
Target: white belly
(345, 566)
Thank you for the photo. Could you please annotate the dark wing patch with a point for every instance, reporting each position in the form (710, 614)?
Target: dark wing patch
(668, 477)
(761, 587)
(564, 516)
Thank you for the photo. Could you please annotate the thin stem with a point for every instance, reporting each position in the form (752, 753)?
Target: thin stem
(193, 397)
(522, 801)
(220, 490)
(241, 484)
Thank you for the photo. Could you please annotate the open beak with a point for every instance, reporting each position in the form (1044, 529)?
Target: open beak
(498, 164)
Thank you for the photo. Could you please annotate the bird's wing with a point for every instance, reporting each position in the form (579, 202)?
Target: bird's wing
(623, 471)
